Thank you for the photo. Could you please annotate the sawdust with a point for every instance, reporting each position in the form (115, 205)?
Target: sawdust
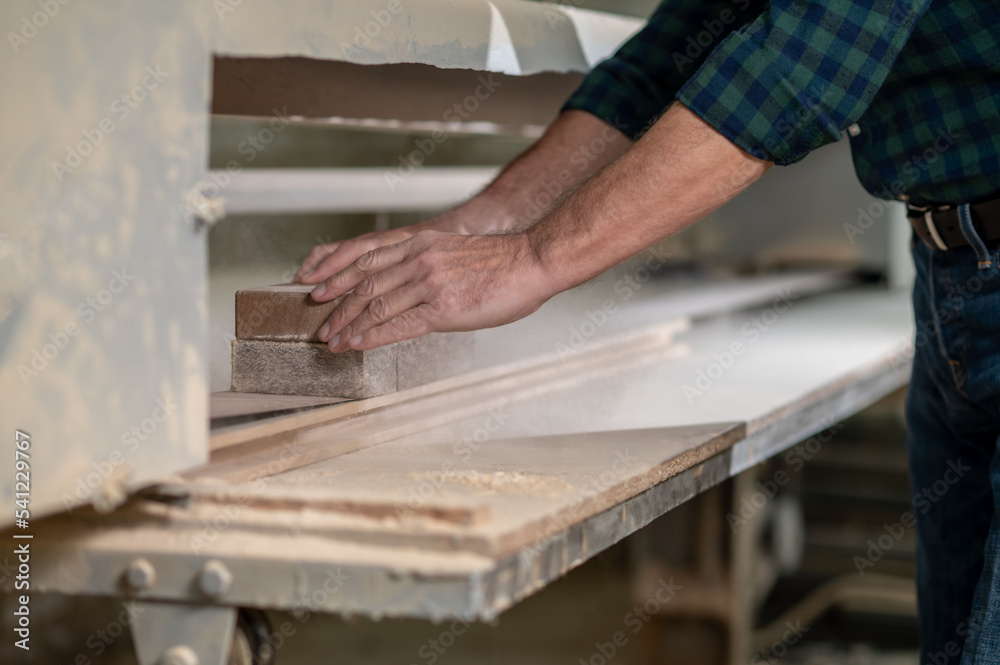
(501, 482)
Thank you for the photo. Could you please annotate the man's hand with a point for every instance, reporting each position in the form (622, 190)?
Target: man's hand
(680, 170)
(432, 282)
(505, 205)
(325, 260)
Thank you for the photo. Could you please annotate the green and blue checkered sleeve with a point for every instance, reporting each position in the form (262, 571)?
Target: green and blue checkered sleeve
(803, 71)
(632, 88)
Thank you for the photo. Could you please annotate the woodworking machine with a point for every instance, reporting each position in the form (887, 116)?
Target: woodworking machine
(445, 495)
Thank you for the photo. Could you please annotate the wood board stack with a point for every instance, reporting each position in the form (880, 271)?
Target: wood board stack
(276, 351)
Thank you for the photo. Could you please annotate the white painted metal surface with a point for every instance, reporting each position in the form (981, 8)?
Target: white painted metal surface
(253, 191)
(509, 36)
(102, 344)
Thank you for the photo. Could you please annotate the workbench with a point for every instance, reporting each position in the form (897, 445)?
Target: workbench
(459, 498)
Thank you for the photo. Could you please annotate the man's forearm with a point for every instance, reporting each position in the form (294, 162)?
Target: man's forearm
(680, 170)
(574, 147)
(439, 282)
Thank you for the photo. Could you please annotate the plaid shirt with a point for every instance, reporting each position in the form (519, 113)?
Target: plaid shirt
(915, 84)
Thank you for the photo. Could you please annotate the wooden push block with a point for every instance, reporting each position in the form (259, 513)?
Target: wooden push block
(282, 313)
(276, 351)
(309, 368)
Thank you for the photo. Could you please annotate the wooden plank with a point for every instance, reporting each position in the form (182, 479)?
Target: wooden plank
(289, 499)
(245, 451)
(222, 405)
(426, 497)
(569, 479)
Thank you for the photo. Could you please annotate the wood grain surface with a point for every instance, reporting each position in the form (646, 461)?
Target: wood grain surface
(223, 405)
(281, 313)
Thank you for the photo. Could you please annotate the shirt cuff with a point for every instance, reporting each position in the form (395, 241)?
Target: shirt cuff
(602, 96)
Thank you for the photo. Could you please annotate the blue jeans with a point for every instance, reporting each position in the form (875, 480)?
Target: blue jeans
(953, 417)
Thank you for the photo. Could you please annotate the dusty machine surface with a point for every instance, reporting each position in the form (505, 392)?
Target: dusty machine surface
(468, 471)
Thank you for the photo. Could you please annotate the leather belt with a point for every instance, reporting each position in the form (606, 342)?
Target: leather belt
(938, 226)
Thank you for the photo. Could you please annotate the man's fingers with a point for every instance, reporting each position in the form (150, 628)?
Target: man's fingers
(411, 323)
(316, 256)
(367, 264)
(336, 260)
(372, 289)
(380, 310)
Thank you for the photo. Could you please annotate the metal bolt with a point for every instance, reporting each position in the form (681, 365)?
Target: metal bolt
(140, 575)
(204, 210)
(179, 655)
(215, 580)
